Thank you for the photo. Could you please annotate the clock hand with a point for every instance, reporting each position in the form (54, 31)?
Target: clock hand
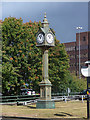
(49, 36)
(40, 36)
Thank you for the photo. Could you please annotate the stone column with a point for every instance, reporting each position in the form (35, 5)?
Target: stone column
(45, 85)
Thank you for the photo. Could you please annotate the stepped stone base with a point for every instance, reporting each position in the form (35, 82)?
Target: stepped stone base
(45, 104)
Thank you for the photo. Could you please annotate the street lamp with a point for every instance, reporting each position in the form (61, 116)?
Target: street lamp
(79, 28)
(86, 73)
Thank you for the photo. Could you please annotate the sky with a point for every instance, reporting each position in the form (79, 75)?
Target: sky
(63, 17)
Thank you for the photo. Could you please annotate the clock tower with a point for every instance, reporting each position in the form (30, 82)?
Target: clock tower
(45, 36)
(45, 40)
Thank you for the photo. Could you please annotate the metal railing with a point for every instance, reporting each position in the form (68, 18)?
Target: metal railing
(18, 98)
(30, 98)
(68, 98)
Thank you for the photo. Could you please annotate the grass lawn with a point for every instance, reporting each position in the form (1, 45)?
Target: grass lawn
(71, 109)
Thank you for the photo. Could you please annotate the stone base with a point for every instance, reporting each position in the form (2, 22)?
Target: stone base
(45, 104)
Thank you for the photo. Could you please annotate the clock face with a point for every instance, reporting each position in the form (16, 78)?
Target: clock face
(49, 38)
(40, 38)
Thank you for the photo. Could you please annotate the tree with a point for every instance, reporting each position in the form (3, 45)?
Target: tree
(10, 79)
(11, 30)
(58, 67)
(78, 85)
(19, 49)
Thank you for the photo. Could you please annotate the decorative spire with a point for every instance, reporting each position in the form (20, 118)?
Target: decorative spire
(45, 21)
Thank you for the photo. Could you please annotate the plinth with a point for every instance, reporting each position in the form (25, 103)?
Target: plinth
(45, 104)
(45, 101)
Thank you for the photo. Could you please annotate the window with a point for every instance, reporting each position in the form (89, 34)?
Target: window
(84, 38)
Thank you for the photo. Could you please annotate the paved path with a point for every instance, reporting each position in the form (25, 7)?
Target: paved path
(24, 118)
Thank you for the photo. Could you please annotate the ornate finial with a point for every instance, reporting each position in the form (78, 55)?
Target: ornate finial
(45, 19)
(45, 15)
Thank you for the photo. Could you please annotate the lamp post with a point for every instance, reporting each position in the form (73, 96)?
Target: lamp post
(86, 73)
(79, 28)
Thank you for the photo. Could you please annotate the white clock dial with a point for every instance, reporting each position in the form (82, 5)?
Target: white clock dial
(49, 38)
(40, 38)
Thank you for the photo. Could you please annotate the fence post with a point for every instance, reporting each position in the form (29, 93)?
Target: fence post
(65, 98)
(25, 103)
(82, 99)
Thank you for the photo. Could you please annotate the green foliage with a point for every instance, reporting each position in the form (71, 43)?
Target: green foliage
(58, 67)
(20, 51)
(77, 84)
(10, 82)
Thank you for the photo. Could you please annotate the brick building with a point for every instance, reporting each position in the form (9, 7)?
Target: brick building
(72, 49)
